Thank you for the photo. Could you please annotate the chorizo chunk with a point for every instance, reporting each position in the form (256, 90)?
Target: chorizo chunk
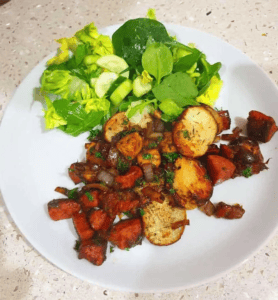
(223, 210)
(126, 233)
(89, 199)
(100, 220)
(61, 209)
(82, 226)
(128, 180)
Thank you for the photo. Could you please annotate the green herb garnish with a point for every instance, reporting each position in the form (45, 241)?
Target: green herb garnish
(140, 182)
(160, 138)
(169, 175)
(122, 166)
(125, 122)
(156, 178)
(99, 155)
(90, 197)
(186, 134)
(111, 249)
(142, 212)
(77, 245)
(128, 214)
(171, 157)
(124, 133)
(93, 134)
(172, 191)
(129, 158)
(247, 172)
(127, 249)
(206, 176)
(147, 156)
(73, 194)
(71, 170)
(152, 145)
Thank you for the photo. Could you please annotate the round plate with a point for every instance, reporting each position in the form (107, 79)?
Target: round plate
(34, 161)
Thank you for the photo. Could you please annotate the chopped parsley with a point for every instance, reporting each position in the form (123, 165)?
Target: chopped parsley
(152, 145)
(156, 178)
(169, 175)
(206, 176)
(125, 122)
(77, 245)
(99, 155)
(129, 158)
(247, 172)
(90, 197)
(111, 249)
(160, 138)
(172, 191)
(93, 133)
(140, 182)
(128, 214)
(127, 249)
(124, 133)
(186, 134)
(122, 166)
(73, 194)
(171, 157)
(71, 170)
(142, 212)
(147, 156)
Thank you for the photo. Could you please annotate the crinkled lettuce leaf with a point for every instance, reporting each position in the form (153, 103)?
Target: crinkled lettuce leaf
(212, 93)
(52, 119)
(64, 84)
(96, 104)
(151, 14)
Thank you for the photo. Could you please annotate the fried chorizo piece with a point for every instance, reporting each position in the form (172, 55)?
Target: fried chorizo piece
(61, 209)
(260, 127)
(83, 172)
(100, 220)
(94, 250)
(82, 226)
(89, 200)
(126, 234)
(226, 152)
(219, 168)
(152, 194)
(115, 203)
(226, 211)
(226, 120)
(128, 180)
(233, 136)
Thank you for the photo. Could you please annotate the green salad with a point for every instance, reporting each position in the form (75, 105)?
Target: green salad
(141, 69)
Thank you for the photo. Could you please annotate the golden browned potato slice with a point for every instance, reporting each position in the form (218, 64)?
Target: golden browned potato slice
(167, 145)
(119, 122)
(216, 116)
(151, 156)
(130, 145)
(158, 221)
(195, 131)
(191, 183)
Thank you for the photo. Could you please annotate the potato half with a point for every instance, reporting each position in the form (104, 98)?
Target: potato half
(195, 130)
(158, 220)
(191, 183)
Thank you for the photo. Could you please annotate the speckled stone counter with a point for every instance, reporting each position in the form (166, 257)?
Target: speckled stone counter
(27, 31)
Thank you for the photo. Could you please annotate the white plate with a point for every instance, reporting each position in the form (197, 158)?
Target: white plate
(34, 161)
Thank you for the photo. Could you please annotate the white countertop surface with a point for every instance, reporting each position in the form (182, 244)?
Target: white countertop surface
(27, 31)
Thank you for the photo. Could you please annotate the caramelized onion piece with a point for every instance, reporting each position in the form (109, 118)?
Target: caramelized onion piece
(148, 172)
(105, 177)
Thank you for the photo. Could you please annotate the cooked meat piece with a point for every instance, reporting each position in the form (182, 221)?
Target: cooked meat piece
(191, 181)
(150, 156)
(61, 209)
(219, 169)
(233, 136)
(126, 234)
(152, 194)
(100, 220)
(62, 190)
(119, 122)
(195, 130)
(179, 224)
(226, 120)
(96, 154)
(260, 127)
(223, 210)
(208, 208)
(158, 220)
(82, 226)
(213, 150)
(89, 200)
(167, 144)
(115, 203)
(82, 172)
(130, 145)
(93, 250)
(226, 151)
(128, 180)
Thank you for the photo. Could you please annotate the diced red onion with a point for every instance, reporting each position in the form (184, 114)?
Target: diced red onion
(158, 125)
(148, 172)
(105, 177)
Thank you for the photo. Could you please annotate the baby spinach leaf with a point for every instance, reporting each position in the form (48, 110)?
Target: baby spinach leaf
(178, 87)
(130, 40)
(158, 61)
(186, 62)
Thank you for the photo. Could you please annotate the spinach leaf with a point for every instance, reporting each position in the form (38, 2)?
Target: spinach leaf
(158, 61)
(186, 62)
(178, 87)
(130, 40)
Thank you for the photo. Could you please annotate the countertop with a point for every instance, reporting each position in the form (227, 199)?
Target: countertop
(27, 31)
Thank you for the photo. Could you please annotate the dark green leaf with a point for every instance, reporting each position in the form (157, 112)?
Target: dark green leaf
(186, 62)
(73, 194)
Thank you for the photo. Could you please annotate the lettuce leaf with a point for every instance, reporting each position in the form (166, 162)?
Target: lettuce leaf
(64, 84)
(96, 104)
(52, 119)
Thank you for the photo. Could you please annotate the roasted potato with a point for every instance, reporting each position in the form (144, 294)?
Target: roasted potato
(130, 145)
(217, 118)
(167, 145)
(191, 182)
(150, 156)
(195, 130)
(119, 122)
(157, 222)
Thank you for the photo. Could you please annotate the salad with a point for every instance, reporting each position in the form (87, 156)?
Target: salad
(141, 69)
